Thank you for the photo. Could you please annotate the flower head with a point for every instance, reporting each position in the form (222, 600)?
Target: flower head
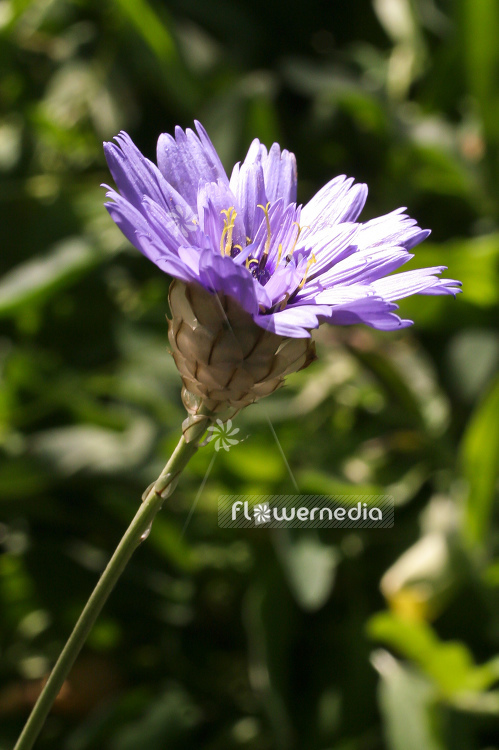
(289, 267)
(268, 265)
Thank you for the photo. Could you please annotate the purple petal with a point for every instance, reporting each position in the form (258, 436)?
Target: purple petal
(138, 178)
(284, 280)
(336, 202)
(210, 150)
(419, 281)
(372, 311)
(135, 175)
(221, 274)
(126, 216)
(364, 268)
(190, 257)
(167, 262)
(279, 171)
(187, 160)
(275, 214)
(256, 153)
(295, 322)
(281, 176)
(212, 200)
(162, 223)
(411, 240)
(394, 228)
(247, 184)
(331, 247)
(342, 294)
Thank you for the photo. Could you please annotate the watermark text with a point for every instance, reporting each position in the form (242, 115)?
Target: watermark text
(307, 511)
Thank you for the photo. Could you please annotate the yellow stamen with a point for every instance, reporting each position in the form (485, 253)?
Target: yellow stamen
(266, 249)
(284, 302)
(300, 230)
(279, 253)
(229, 221)
(249, 261)
(310, 261)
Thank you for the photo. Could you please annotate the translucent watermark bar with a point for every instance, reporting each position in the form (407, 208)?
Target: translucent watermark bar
(306, 511)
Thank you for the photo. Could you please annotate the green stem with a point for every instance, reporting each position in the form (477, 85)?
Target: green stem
(136, 532)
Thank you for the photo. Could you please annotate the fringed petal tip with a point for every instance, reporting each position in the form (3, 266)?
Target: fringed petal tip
(444, 286)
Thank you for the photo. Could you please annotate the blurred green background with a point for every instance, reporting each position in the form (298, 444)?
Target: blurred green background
(226, 638)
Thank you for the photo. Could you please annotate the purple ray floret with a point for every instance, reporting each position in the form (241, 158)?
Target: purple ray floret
(290, 267)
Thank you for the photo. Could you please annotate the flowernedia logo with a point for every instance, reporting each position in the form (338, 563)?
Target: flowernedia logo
(223, 434)
(261, 513)
(312, 511)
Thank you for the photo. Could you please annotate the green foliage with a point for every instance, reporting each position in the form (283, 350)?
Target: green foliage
(327, 639)
(480, 453)
(448, 665)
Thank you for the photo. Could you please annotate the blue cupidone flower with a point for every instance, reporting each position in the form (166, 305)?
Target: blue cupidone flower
(255, 272)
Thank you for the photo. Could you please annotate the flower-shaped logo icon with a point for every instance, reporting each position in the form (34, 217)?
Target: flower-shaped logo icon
(185, 220)
(262, 513)
(223, 434)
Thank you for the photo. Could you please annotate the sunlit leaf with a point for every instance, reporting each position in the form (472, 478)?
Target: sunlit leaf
(156, 32)
(480, 24)
(480, 461)
(36, 280)
(94, 449)
(448, 664)
(409, 708)
(309, 565)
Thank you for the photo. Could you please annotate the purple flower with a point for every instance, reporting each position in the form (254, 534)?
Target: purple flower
(290, 267)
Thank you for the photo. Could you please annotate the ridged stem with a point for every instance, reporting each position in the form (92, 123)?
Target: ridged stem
(136, 532)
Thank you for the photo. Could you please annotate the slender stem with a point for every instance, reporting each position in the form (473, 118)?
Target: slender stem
(136, 532)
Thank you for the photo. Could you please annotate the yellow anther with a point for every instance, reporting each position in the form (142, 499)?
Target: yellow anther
(279, 253)
(249, 261)
(310, 261)
(226, 238)
(284, 302)
(266, 249)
